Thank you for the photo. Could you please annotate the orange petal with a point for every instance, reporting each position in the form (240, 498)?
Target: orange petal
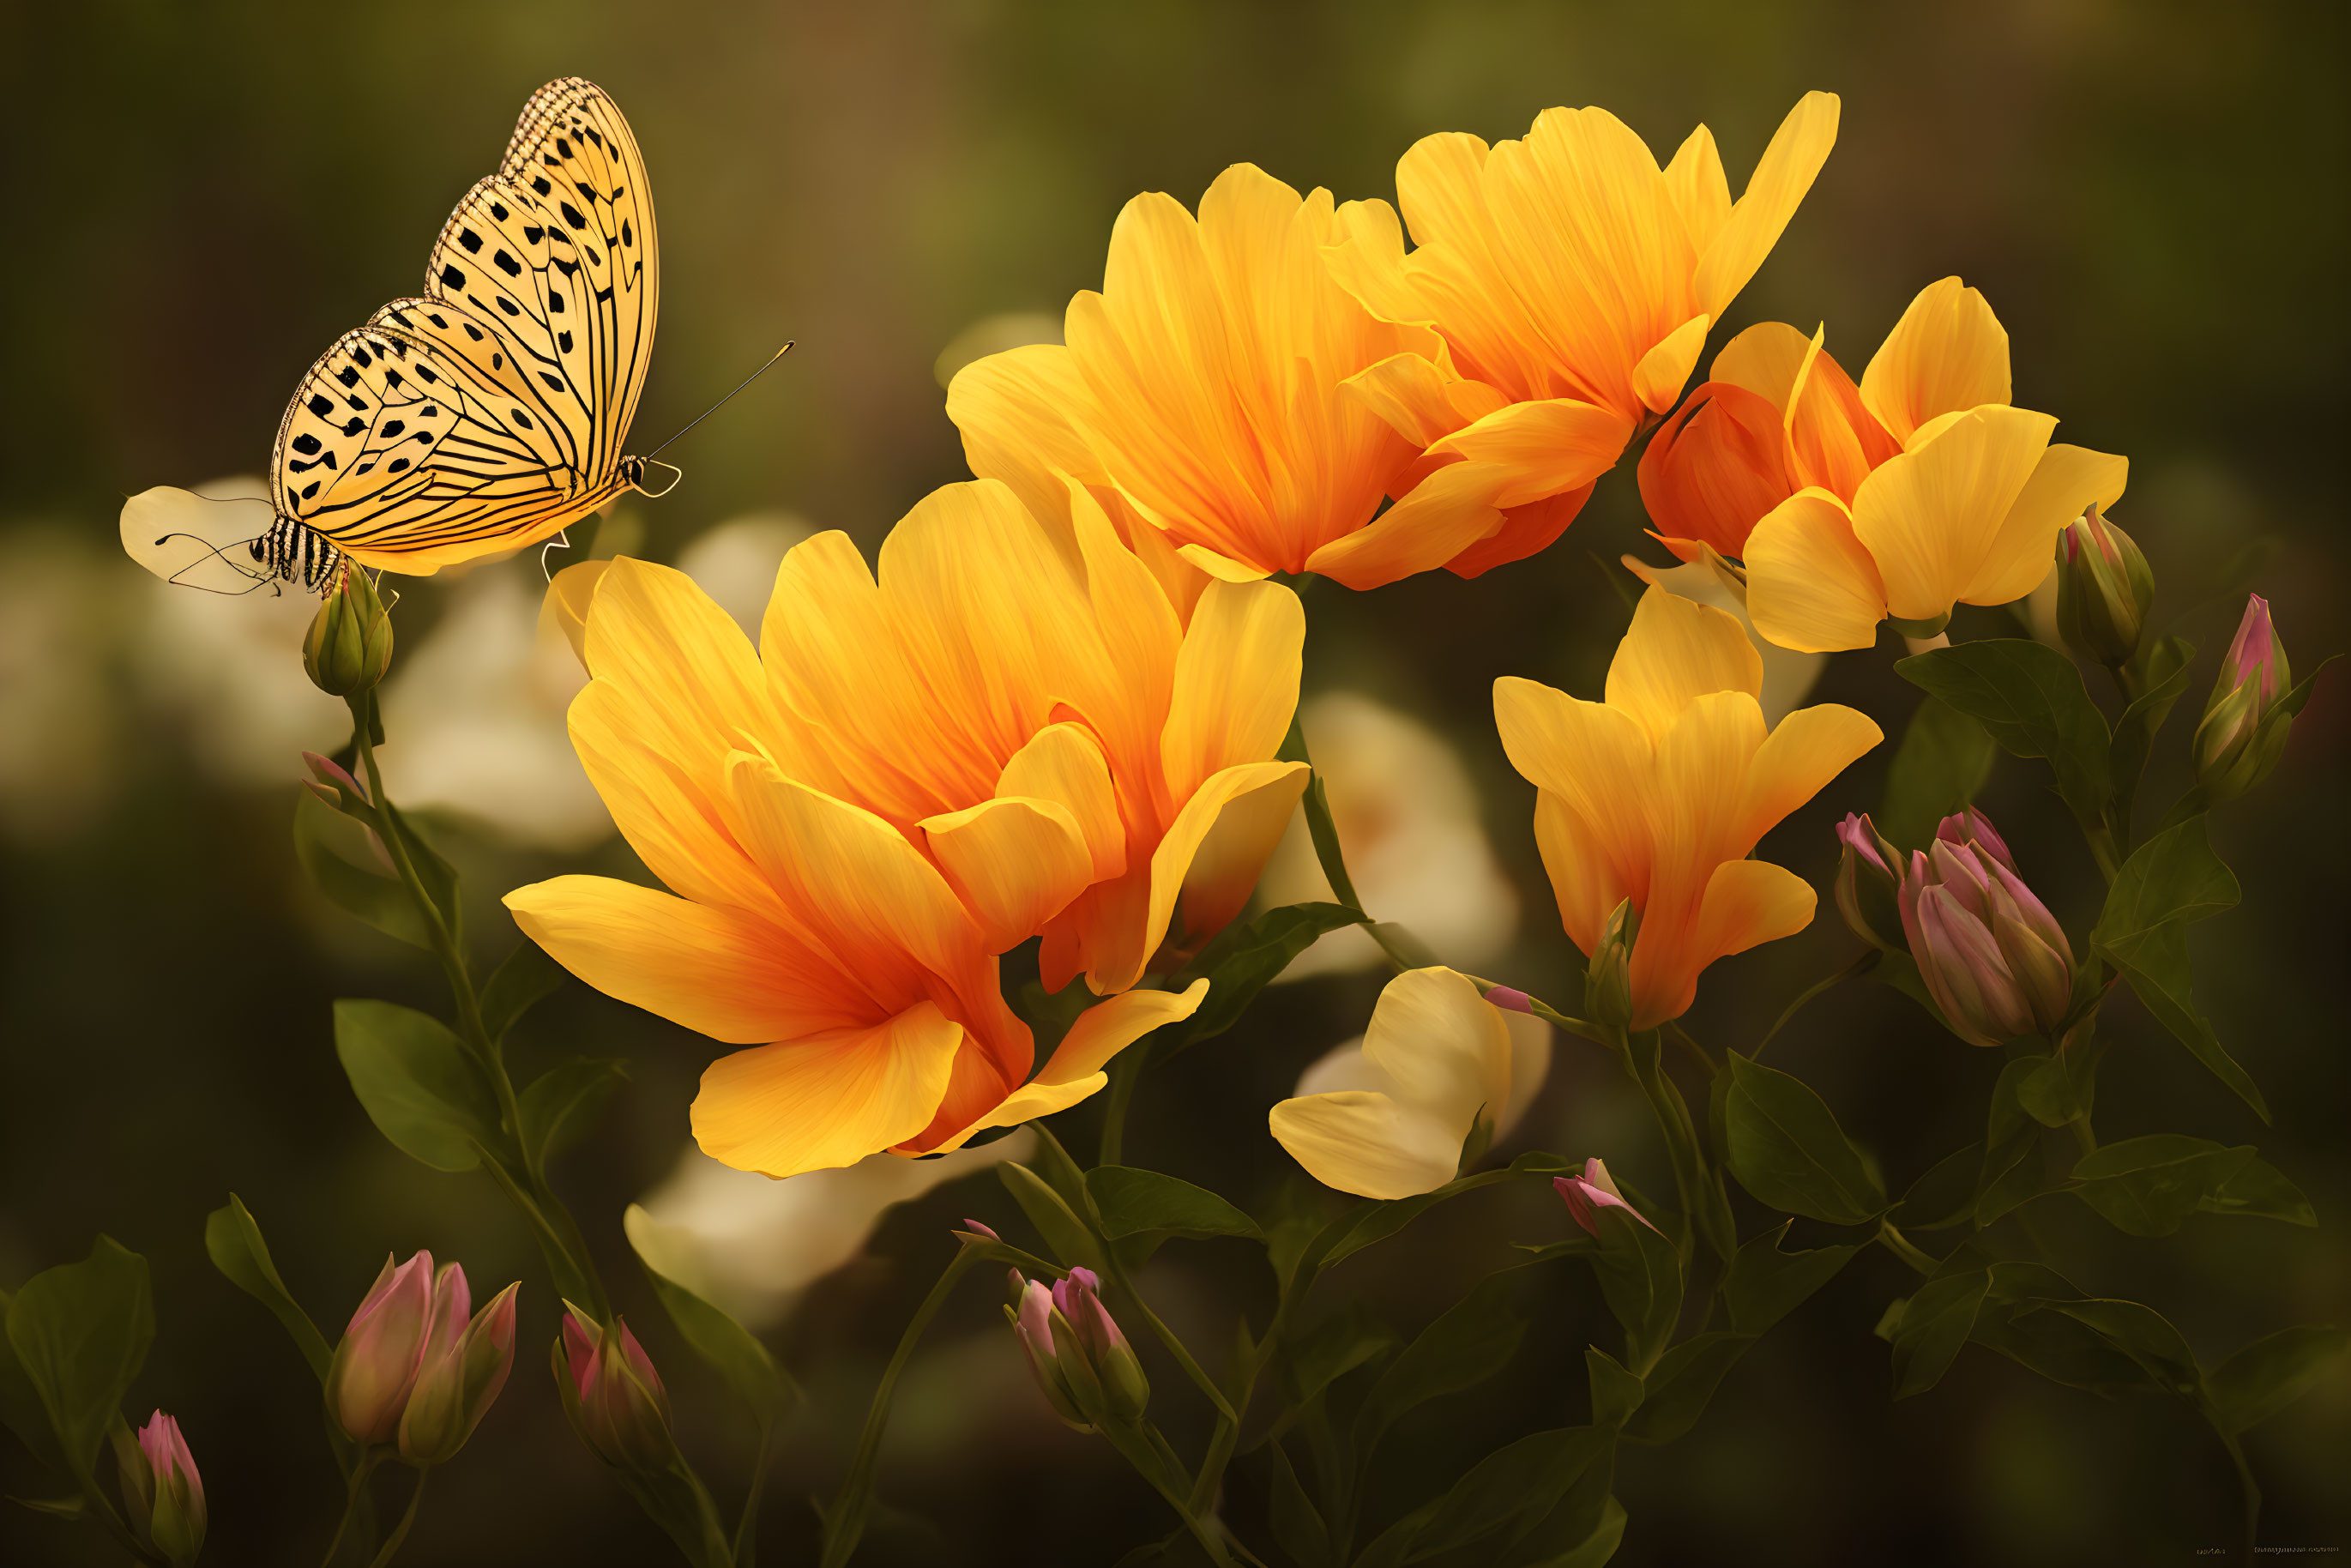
(1547, 447)
(1810, 584)
(1715, 468)
(1700, 192)
(1442, 516)
(1236, 682)
(1597, 760)
(1665, 369)
(1064, 763)
(1172, 869)
(813, 1105)
(1808, 748)
(1225, 866)
(1947, 354)
(1765, 360)
(1018, 862)
(1931, 516)
(1587, 879)
(1013, 409)
(1833, 441)
(1075, 1069)
(1525, 530)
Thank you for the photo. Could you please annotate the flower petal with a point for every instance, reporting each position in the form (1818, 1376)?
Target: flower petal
(812, 1104)
(1596, 759)
(1525, 530)
(1075, 1069)
(1716, 468)
(1443, 515)
(1932, 516)
(1809, 585)
(1235, 683)
(1797, 151)
(1585, 877)
(1017, 860)
(1948, 353)
(569, 595)
(1013, 409)
(1808, 748)
(1665, 369)
(1749, 902)
(1443, 1047)
(1364, 1143)
(1765, 360)
(2063, 483)
(1548, 447)
(1208, 861)
(1064, 763)
(1676, 652)
(1701, 191)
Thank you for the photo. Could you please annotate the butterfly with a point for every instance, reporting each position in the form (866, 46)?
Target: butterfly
(477, 418)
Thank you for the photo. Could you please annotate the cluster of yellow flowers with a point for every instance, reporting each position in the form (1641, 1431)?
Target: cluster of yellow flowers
(1055, 711)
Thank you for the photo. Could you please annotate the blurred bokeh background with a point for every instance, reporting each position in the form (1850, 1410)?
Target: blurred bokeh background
(199, 198)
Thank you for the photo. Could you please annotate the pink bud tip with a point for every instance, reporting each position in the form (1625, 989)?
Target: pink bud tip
(1503, 996)
(974, 1228)
(1588, 1194)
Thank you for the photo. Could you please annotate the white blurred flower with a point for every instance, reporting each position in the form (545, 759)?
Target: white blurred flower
(735, 562)
(474, 718)
(1408, 823)
(60, 719)
(230, 666)
(750, 1244)
(1788, 675)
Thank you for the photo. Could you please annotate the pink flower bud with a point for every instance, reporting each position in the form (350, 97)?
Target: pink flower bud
(464, 1365)
(612, 1394)
(1971, 827)
(1991, 953)
(2103, 589)
(1591, 1192)
(2242, 736)
(376, 1363)
(1503, 996)
(1082, 1362)
(1865, 885)
(164, 1494)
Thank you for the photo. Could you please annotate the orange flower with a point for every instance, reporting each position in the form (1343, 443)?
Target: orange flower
(1919, 488)
(1574, 283)
(1199, 393)
(998, 739)
(1659, 793)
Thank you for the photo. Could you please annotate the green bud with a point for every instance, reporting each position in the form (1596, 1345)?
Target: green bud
(2242, 736)
(1608, 978)
(2103, 589)
(349, 645)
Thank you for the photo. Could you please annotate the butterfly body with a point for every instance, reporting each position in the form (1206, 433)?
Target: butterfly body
(479, 417)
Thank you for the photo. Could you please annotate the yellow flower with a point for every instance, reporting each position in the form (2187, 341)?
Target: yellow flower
(998, 739)
(1574, 283)
(1659, 793)
(1200, 393)
(1919, 489)
(1436, 1061)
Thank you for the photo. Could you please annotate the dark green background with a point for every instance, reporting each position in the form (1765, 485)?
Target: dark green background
(199, 197)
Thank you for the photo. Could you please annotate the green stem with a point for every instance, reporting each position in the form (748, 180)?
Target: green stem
(1852, 971)
(2083, 1139)
(354, 1487)
(1166, 1336)
(844, 1521)
(2101, 840)
(746, 1528)
(1902, 1248)
(2249, 1493)
(1125, 1068)
(1136, 1450)
(1691, 1180)
(400, 1532)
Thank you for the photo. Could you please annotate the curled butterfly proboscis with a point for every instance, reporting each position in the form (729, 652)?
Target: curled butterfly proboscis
(479, 417)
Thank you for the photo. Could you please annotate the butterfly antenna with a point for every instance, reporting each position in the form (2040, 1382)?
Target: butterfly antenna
(561, 541)
(721, 403)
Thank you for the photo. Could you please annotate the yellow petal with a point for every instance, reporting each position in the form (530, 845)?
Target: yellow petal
(1764, 359)
(1224, 568)
(1547, 447)
(1236, 682)
(813, 1105)
(1749, 902)
(1443, 515)
(1364, 1143)
(1948, 353)
(1411, 394)
(1598, 761)
(1811, 746)
(1075, 1071)
(1225, 866)
(2063, 483)
(1675, 650)
(569, 595)
(1172, 862)
(1017, 860)
(1663, 372)
(1064, 762)
(1585, 880)
(1929, 517)
(1014, 412)
(1701, 191)
(717, 972)
(1365, 256)
(1442, 1048)
(1809, 585)
(1797, 152)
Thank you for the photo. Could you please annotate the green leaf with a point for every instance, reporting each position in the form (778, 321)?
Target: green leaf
(80, 1333)
(2146, 1186)
(1787, 1150)
(2141, 1334)
(2010, 1173)
(2162, 672)
(1470, 1342)
(729, 1347)
(2032, 701)
(2172, 879)
(1934, 1326)
(2057, 1347)
(1349, 1338)
(1384, 1218)
(1511, 1489)
(336, 851)
(560, 1105)
(1766, 1284)
(528, 977)
(233, 1241)
(1066, 1237)
(2261, 1188)
(1681, 1383)
(2271, 1373)
(1945, 1196)
(1615, 1392)
(412, 1076)
(1597, 1548)
(1297, 1527)
(1320, 825)
(1641, 1278)
(1244, 959)
(2062, 1088)
(1133, 1202)
(438, 876)
(1943, 760)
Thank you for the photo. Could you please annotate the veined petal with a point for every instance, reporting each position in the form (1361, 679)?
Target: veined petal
(1224, 568)
(2063, 483)
(1699, 189)
(1141, 639)
(1797, 151)
(1206, 889)
(1948, 353)
(1017, 860)
(1809, 748)
(1809, 585)
(727, 974)
(1442, 1046)
(1412, 395)
(1442, 516)
(1665, 370)
(1834, 441)
(1547, 447)
(1594, 758)
(1716, 468)
(1236, 682)
(1366, 258)
(569, 595)
(1676, 652)
(671, 814)
(1064, 763)
(1013, 409)
(1525, 530)
(1765, 360)
(812, 1104)
(1929, 517)
(1075, 1071)
(1747, 903)
(1586, 880)
(1364, 1143)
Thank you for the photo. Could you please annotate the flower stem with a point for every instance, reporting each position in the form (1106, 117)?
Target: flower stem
(1902, 1248)
(1135, 1448)
(400, 1532)
(1852, 971)
(354, 1491)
